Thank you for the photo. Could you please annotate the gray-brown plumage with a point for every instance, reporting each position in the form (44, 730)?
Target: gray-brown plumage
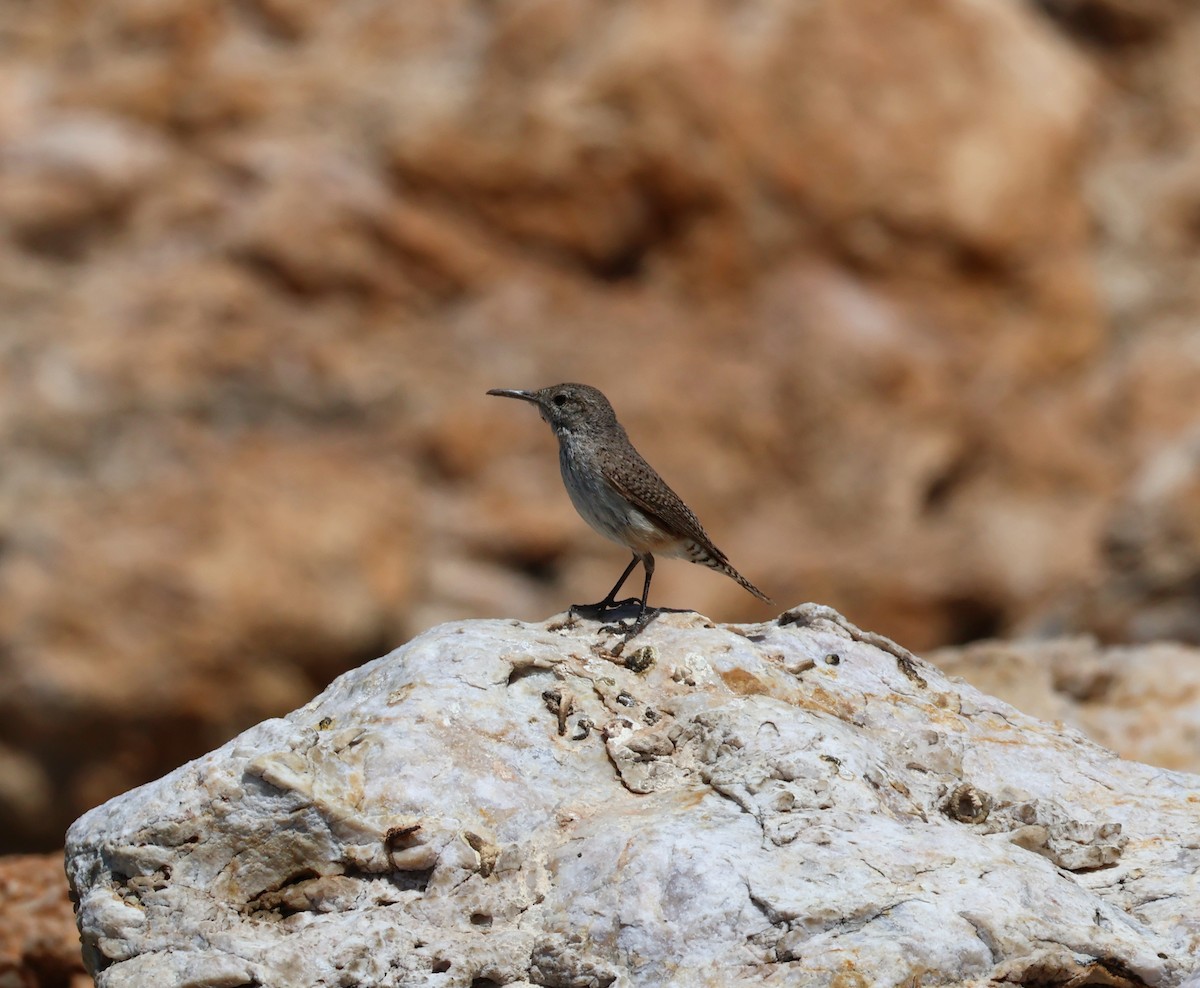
(619, 494)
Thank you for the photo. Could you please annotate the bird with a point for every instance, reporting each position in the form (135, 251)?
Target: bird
(621, 496)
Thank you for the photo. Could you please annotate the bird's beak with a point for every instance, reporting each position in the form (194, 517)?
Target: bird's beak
(506, 393)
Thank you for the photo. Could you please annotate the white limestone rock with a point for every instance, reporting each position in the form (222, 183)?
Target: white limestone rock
(791, 803)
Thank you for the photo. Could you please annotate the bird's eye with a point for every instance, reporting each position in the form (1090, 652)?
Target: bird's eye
(560, 400)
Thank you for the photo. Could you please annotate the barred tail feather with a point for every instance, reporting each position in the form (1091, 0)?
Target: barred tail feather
(714, 559)
(746, 584)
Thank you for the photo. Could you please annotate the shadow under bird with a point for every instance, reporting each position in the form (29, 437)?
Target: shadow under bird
(620, 495)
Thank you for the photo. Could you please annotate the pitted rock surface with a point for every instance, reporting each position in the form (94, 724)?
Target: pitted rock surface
(512, 804)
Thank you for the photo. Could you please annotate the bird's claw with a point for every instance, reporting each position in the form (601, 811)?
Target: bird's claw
(630, 630)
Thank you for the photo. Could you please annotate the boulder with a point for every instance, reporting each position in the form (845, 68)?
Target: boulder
(795, 802)
(1142, 701)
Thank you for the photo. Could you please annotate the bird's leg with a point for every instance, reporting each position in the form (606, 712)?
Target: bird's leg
(638, 625)
(609, 602)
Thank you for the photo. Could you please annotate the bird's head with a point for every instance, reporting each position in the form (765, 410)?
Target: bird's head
(571, 409)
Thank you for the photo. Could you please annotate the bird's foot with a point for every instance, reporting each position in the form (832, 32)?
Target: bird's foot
(628, 632)
(596, 611)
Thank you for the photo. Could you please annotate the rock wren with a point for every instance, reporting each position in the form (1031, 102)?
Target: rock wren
(620, 495)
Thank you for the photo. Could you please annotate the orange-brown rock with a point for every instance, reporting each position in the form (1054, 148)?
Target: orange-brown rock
(39, 944)
(898, 296)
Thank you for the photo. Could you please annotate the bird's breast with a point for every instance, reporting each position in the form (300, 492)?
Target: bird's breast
(602, 507)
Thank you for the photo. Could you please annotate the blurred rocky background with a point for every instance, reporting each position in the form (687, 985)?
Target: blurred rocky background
(904, 298)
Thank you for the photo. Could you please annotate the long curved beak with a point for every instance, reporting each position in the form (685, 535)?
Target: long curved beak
(507, 393)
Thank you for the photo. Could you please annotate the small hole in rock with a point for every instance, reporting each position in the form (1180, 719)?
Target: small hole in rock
(440, 966)
(481, 919)
(304, 875)
(523, 672)
(412, 881)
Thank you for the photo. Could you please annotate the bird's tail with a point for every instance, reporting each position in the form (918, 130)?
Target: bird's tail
(714, 559)
(746, 584)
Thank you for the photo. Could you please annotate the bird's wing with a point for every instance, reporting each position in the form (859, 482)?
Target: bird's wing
(641, 486)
